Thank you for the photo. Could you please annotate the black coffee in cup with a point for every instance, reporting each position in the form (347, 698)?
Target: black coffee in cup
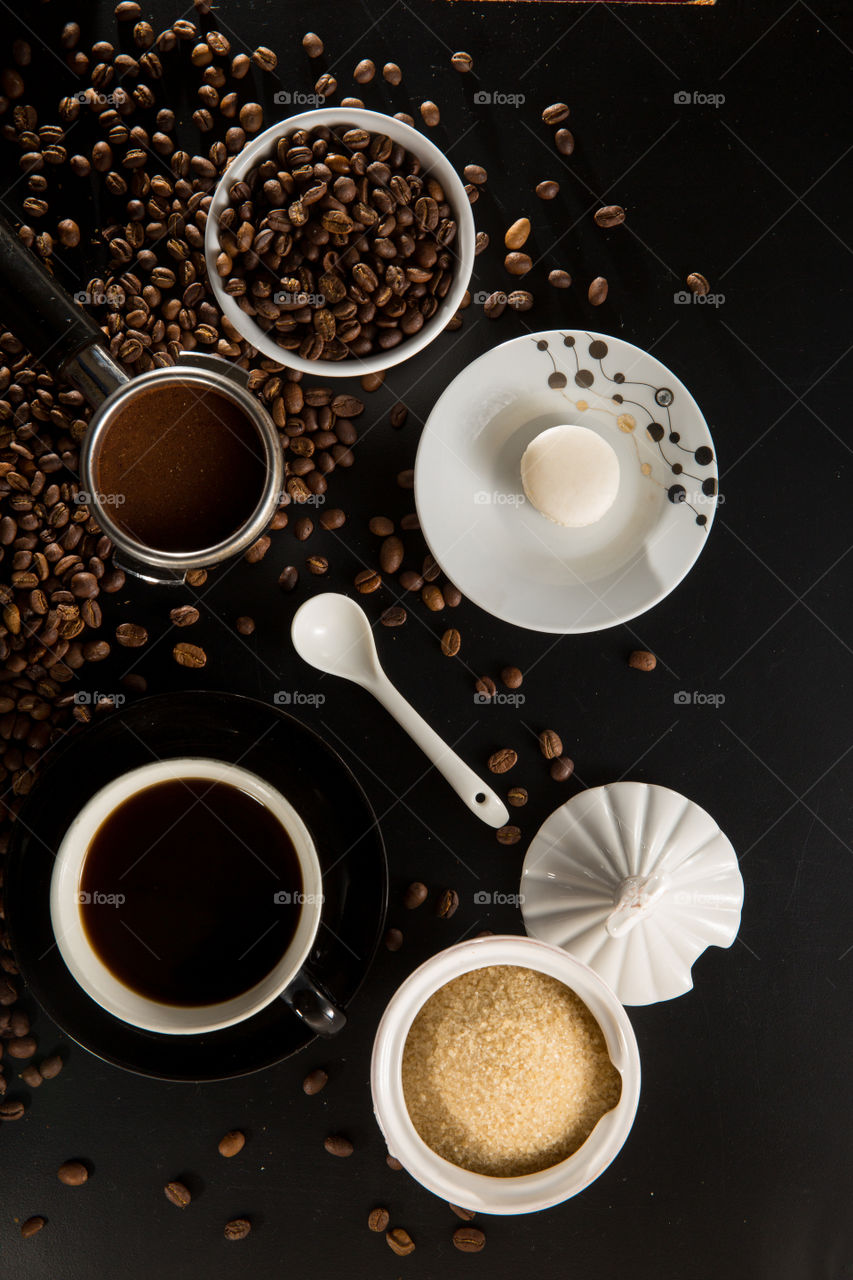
(190, 891)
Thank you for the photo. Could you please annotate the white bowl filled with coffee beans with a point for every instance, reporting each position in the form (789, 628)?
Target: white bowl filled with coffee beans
(340, 241)
(505, 1075)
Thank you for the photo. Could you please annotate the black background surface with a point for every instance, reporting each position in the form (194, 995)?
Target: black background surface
(739, 1161)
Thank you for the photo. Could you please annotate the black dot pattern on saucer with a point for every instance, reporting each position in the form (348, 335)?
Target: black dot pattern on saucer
(586, 378)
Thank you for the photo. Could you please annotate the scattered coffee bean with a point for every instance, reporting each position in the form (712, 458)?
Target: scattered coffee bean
(481, 243)
(315, 1081)
(517, 796)
(21, 1047)
(72, 1173)
(251, 116)
(378, 1219)
(131, 636)
(367, 581)
(548, 189)
(415, 896)
(556, 113)
(381, 526)
(495, 305)
(237, 1229)
(447, 904)
(312, 44)
(394, 617)
(189, 655)
(562, 768)
(318, 565)
(564, 141)
(452, 595)
(520, 300)
(326, 85)
(184, 615)
(303, 528)
(32, 1077)
(392, 73)
(597, 292)
(642, 660)
(364, 71)
(485, 687)
(333, 518)
(406, 479)
(451, 642)
(12, 1110)
(393, 939)
(289, 577)
(258, 549)
(32, 1226)
(475, 173)
(177, 1194)
(196, 577)
(264, 58)
(512, 677)
(430, 114)
(550, 744)
(51, 1067)
(518, 264)
(516, 235)
(337, 1145)
(508, 835)
(391, 554)
(610, 215)
(232, 1143)
(559, 279)
(410, 581)
(465, 1214)
(431, 569)
(433, 598)
(469, 1239)
(503, 760)
(462, 61)
(393, 1163)
(698, 284)
(400, 1242)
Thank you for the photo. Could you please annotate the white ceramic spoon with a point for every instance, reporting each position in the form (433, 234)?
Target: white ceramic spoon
(332, 633)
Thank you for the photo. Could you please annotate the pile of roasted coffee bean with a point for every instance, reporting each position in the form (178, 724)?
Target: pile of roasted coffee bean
(337, 243)
(54, 564)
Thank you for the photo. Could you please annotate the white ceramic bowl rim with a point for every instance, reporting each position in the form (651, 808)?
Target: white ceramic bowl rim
(434, 162)
(98, 981)
(477, 1191)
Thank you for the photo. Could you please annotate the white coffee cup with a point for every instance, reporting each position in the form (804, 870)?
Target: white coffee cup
(287, 979)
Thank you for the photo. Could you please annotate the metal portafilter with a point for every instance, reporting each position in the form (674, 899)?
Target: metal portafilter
(60, 334)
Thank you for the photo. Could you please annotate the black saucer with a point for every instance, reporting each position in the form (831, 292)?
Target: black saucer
(304, 769)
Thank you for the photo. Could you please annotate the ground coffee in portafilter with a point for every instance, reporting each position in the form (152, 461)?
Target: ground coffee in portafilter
(190, 892)
(180, 468)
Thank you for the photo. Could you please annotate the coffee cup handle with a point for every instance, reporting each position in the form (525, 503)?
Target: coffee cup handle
(310, 1003)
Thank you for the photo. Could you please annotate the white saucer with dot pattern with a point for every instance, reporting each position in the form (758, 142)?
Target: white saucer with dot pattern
(498, 549)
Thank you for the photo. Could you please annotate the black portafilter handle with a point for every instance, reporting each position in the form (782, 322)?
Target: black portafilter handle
(36, 307)
(53, 327)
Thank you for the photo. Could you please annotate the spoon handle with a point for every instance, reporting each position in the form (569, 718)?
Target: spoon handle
(479, 797)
